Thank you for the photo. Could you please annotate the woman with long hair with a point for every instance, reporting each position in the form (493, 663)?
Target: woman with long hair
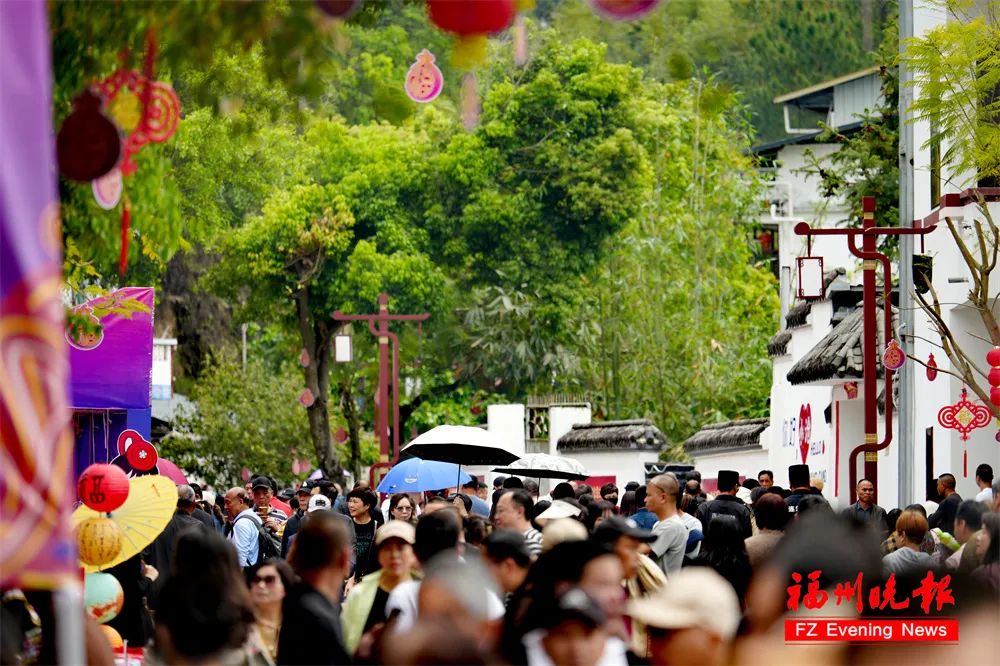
(268, 582)
(725, 551)
(988, 549)
(628, 504)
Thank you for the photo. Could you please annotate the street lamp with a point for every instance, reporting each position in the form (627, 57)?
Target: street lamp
(342, 352)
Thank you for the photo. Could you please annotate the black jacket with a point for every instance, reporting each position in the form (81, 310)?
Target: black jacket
(728, 505)
(944, 517)
(310, 629)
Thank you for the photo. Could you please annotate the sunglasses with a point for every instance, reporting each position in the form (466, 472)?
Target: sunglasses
(267, 580)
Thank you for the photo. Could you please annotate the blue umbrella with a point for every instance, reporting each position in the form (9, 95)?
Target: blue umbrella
(414, 475)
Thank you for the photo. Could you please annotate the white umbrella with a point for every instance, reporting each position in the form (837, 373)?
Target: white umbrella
(544, 466)
(464, 445)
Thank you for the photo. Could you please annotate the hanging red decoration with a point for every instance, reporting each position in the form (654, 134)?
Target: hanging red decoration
(932, 371)
(851, 389)
(965, 416)
(472, 21)
(424, 79)
(993, 357)
(893, 357)
(148, 111)
(341, 9)
(88, 145)
(103, 487)
(520, 32)
(995, 396)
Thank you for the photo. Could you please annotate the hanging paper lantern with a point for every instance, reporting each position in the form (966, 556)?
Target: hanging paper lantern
(993, 357)
(994, 377)
(893, 357)
(623, 10)
(995, 396)
(102, 596)
(103, 487)
(99, 540)
(88, 145)
(114, 638)
(424, 80)
(472, 21)
(932, 371)
(341, 9)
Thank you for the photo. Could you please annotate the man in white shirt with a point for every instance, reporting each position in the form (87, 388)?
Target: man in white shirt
(984, 479)
(662, 493)
(243, 528)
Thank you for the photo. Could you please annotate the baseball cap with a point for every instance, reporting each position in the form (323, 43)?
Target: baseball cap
(260, 482)
(559, 509)
(693, 597)
(304, 489)
(318, 502)
(616, 526)
(396, 529)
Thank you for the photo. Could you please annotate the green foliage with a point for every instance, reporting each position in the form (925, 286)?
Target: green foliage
(463, 406)
(242, 418)
(760, 48)
(679, 314)
(957, 67)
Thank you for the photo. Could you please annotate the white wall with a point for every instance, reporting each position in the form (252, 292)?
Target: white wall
(625, 466)
(562, 420)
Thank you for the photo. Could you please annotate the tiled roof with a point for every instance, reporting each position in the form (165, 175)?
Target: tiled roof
(778, 345)
(740, 434)
(839, 354)
(639, 434)
(799, 313)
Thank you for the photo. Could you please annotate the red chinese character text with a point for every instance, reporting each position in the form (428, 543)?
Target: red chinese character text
(931, 590)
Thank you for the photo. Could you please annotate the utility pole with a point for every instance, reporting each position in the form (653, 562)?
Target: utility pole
(906, 306)
(871, 259)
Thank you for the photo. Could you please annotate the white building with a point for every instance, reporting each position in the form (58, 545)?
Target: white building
(817, 406)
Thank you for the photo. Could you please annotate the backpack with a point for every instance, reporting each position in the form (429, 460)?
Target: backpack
(268, 545)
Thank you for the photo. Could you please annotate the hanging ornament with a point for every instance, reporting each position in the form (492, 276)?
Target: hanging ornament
(339, 9)
(103, 597)
(88, 145)
(148, 111)
(424, 80)
(136, 456)
(993, 358)
(893, 357)
(964, 416)
(851, 389)
(114, 638)
(805, 430)
(472, 21)
(78, 336)
(340, 436)
(103, 487)
(306, 398)
(108, 189)
(932, 371)
(520, 32)
(623, 10)
(98, 540)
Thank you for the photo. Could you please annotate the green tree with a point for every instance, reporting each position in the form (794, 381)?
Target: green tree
(679, 314)
(242, 417)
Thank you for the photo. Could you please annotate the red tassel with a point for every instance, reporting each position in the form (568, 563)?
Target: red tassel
(126, 223)
(965, 463)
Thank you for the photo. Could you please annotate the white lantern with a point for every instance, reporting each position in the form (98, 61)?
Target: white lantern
(811, 277)
(342, 348)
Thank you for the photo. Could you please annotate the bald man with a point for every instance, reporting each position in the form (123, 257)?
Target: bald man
(662, 494)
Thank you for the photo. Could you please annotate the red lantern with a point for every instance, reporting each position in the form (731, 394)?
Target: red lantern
(472, 21)
(993, 357)
(994, 377)
(932, 371)
(995, 396)
(103, 487)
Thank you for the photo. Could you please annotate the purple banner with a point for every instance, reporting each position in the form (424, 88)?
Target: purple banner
(113, 368)
(36, 455)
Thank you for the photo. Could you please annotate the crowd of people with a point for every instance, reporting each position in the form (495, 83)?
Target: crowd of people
(661, 573)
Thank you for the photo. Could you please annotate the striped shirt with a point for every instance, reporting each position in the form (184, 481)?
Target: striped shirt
(533, 541)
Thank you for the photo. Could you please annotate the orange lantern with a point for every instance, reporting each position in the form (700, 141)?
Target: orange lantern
(99, 540)
(114, 638)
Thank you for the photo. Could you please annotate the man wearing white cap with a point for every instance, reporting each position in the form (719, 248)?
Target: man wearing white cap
(691, 621)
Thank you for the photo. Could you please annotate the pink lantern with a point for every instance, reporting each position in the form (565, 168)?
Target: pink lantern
(893, 357)
(424, 80)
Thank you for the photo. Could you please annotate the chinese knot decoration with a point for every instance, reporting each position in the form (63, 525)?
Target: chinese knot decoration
(964, 416)
(993, 358)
